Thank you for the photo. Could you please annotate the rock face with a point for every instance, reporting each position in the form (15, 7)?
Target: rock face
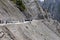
(32, 8)
(9, 12)
(16, 28)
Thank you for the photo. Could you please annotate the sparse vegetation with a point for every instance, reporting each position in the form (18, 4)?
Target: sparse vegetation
(19, 4)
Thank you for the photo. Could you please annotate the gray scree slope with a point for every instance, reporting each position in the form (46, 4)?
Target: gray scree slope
(9, 11)
(29, 30)
(34, 30)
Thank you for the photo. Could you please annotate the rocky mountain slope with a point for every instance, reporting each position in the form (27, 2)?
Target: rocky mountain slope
(31, 30)
(18, 26)
(9, 12)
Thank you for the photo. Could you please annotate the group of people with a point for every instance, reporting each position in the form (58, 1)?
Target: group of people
(1, 22)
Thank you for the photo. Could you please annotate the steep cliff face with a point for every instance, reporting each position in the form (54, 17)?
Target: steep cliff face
(34, 9)
(21, 28)
(31, 8)
(9, 12)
